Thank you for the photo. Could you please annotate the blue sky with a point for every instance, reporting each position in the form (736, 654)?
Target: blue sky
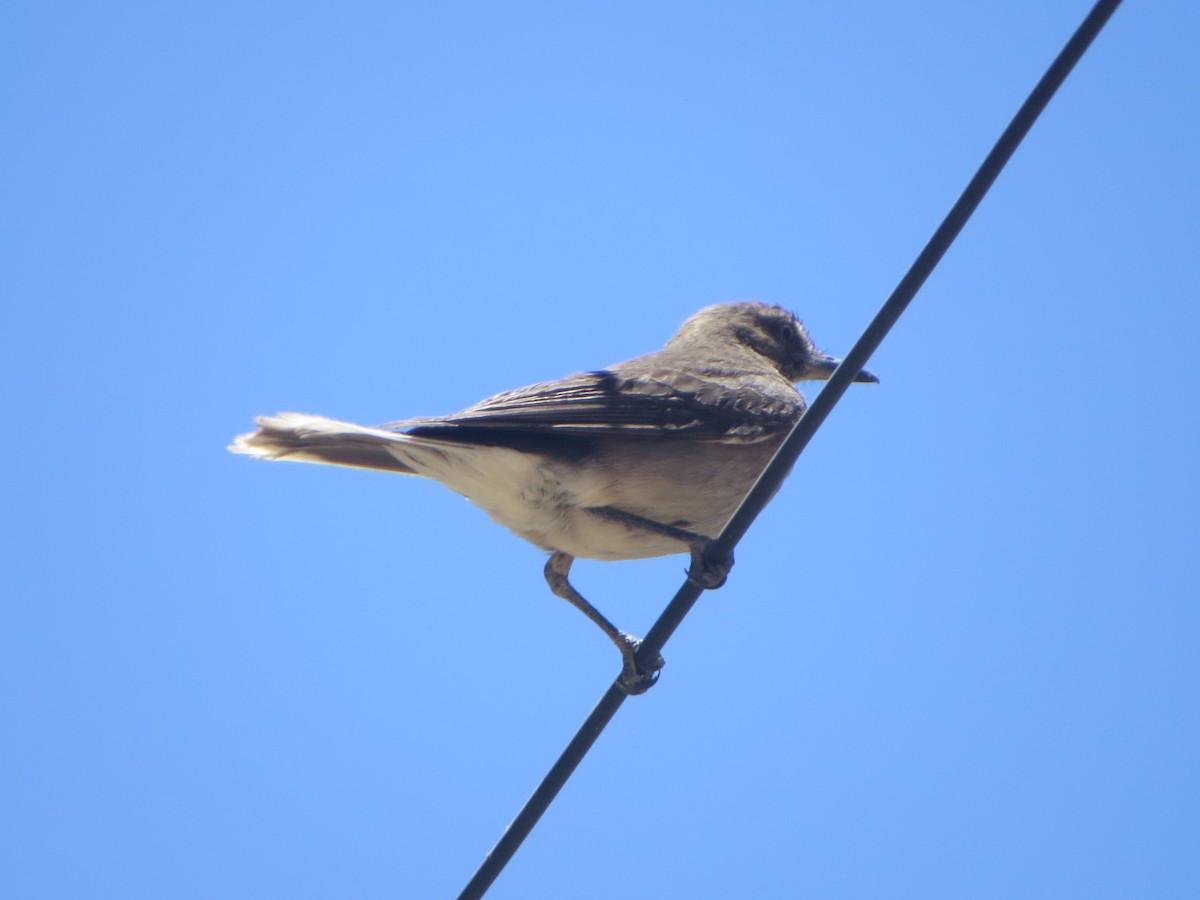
(957, 656)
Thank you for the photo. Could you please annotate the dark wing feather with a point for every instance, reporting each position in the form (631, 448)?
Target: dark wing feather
(656, 403)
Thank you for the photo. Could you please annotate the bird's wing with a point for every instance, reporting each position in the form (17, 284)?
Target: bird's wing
(656, 403)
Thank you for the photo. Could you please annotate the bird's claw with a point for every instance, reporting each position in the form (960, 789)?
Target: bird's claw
(635, 679)
(708, 569)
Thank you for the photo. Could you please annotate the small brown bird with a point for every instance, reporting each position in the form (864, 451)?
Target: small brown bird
(648, 457)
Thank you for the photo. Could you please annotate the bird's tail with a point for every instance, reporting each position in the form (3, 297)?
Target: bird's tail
(315, 439)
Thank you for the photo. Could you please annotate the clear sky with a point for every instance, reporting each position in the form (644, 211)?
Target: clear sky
(958, 654)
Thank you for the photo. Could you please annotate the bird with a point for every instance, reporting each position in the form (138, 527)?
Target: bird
(645, 458)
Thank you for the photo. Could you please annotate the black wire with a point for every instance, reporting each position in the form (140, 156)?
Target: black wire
(799, 437)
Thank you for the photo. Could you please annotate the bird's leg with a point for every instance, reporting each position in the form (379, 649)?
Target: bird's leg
(633, 679)
(707, 569)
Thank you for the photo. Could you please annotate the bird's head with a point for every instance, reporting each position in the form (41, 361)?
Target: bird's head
(770, 331)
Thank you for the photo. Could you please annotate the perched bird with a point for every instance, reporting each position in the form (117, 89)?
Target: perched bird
(648, 457)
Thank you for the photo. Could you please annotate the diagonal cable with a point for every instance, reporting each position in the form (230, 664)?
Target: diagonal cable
(800, 435)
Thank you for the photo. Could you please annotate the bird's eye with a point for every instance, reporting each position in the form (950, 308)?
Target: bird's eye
(782, 331)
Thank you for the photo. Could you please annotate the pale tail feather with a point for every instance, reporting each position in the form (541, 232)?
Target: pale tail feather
(304, 438)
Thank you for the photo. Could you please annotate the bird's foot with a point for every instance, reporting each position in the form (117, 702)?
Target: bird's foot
(709, 569)
(635, 679)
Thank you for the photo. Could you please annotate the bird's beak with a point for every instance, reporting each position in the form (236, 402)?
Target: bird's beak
(823, 366)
